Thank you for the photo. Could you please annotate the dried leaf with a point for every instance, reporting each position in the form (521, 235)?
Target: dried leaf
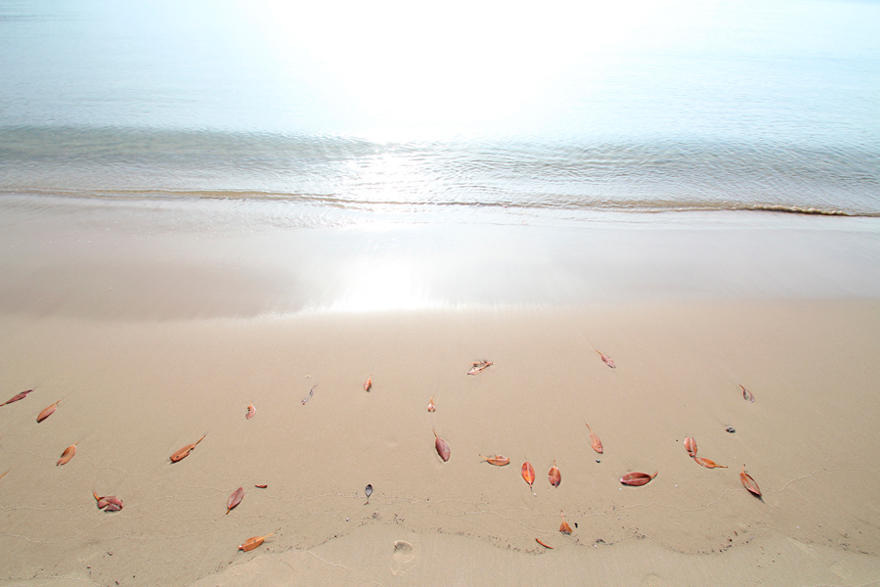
(184, 452)
(749, 483)
(708, 464)
(252, 543)
(637, 479)
(564, 527)
(442, 447)
(497, 460)
(554, 475)
(691, 446)
(47, 412)
(108, 503)
(368, 384)
(528, 473)
(479, 367)
(311, 393)
(251, 410)
(67, 455)
(748, 395)
(17, 397)
(542, 543)
(234, 499)
(261, 486)
(594, 440)
(607, 360)
(431, 406)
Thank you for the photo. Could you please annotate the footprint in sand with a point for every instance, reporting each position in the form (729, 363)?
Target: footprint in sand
(403, 557)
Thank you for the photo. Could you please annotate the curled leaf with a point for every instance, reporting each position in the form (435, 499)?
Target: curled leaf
(47, 412)
(67, 455)
(637, 479)
(690, 445)
(497, 460)
(479, 367)
(442, 447)
(749, 483)
(431, 406)
(251, 410)
(368, 384)
(17, 397)
(564, 527)
(748, 395)
(594, 440)
(607, 360)
(542, 543)
(708, 464)
(108, 503)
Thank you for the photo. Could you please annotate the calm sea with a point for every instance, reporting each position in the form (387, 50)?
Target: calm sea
(560, 106)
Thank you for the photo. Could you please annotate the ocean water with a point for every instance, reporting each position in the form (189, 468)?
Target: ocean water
(564, 109)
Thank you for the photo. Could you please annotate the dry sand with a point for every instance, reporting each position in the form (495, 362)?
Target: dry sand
(134, 391)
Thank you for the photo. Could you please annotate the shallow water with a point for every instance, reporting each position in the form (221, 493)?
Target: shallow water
(641, 106)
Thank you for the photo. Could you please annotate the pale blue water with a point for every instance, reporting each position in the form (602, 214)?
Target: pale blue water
(567, 106)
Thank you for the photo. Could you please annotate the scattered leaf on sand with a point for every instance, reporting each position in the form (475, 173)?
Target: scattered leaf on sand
(690, 445)
(564, 527)
(748, 395)
(528, 473)
(442, 447)
(749, 483)
(311, 393)
(708, 464)
(234, 499)
(251, 410)
(184, 452)
(637, 479)
(479, 367)
(431, 406)
(47, 412)
(542, 543)
(252, 543)
(497, 460)
(554, 476)
(261, 486)
(368, 384)
(594, 440)
(607, 360)
(67, 455)
(17, 397)
(108, 503)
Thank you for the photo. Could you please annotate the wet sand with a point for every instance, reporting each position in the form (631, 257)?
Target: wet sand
(139, 378)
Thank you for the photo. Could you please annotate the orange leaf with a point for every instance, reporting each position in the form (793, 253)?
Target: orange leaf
(690, 445)
(252, 543)
(749, 483)
(708, 464)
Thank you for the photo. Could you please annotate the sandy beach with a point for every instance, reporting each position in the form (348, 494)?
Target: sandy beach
(136, 385)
